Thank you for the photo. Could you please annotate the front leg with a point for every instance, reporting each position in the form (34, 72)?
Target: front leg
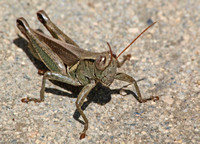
(129, 79)
(79, 102)
(52, 76)
(125, 58)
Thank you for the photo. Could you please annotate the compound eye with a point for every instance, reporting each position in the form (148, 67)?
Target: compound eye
(100, 63)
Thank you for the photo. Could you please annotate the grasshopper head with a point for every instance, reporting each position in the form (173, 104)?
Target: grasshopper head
(106, 66)
(104, 60)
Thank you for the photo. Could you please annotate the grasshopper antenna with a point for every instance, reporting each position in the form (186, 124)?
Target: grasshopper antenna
(111, 54)
(136, 38)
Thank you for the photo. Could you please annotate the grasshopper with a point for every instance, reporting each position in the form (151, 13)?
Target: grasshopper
(68, 63)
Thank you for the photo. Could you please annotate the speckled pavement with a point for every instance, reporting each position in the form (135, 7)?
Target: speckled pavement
(165, 61)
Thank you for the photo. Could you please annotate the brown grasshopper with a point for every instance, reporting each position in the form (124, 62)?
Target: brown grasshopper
(70, 64)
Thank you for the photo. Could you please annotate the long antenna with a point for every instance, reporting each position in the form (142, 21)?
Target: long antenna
(136, 39)
(111, 54)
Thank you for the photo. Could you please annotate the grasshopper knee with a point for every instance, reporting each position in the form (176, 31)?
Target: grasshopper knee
(23, 25)
(42, 16)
